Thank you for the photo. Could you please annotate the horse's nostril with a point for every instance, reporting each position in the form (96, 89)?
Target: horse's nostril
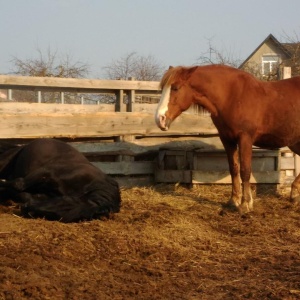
(162, 121)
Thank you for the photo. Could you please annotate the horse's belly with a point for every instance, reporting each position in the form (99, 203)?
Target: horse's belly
(275, 141)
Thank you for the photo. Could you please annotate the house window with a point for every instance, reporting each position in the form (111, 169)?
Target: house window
(270, 64)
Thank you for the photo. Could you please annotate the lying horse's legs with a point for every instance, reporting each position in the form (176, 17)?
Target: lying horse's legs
(245, 150)
(41, 180)
(14, 184)
(234, 168)
(295, 191)
(12, 189)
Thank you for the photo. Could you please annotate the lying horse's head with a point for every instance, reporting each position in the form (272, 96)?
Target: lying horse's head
(177, 96)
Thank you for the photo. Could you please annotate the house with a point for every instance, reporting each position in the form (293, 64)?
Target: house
(268, 60)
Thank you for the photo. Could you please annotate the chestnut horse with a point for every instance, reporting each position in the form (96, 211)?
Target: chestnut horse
(245, 111)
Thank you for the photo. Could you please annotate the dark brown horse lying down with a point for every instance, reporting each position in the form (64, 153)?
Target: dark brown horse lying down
(245, 111)
(52, 180)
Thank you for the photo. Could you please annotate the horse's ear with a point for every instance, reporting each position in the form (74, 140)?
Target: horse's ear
(170, 67)
(188, 72)
(192, 70)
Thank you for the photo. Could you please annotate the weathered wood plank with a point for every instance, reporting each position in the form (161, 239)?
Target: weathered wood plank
(206, 177)
(64, 123)
(76, 85)
(184, 142)
(212, 167)
(287, 163)
(219, 163)
(148, 144)
(12, 108)
(126, 167)
(216, 160)
(173, 176)
(23, 107)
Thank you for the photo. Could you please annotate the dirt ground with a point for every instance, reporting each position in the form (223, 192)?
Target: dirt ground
(168, 242)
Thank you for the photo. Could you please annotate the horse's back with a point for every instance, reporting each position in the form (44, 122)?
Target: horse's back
(42, 152)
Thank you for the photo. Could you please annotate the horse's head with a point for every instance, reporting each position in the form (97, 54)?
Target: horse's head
(176, 96)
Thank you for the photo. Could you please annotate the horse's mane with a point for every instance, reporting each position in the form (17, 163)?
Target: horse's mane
(182, 73)
(173, 74)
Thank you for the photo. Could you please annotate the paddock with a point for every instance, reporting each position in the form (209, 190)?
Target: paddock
(170, 240)
(121, 137)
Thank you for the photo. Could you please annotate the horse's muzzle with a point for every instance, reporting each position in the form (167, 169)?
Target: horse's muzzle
(162, 122)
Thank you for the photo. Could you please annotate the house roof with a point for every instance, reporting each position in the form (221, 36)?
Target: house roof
(292, 47)
(275, 41)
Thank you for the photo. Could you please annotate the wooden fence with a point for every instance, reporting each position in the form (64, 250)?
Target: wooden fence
(121, 138)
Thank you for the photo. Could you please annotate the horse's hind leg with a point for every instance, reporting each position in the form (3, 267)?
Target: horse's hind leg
(295, 188)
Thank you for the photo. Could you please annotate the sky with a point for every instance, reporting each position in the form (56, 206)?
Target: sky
(174, 32)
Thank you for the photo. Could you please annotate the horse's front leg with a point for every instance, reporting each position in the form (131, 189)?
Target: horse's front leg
(245, 151)
(234, 168)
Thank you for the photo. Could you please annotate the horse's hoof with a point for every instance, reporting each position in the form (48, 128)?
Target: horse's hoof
(245, 209)
(295, 200)
(232, 204)
(228, 206)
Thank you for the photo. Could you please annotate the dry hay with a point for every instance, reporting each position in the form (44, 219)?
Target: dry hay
(168, 242)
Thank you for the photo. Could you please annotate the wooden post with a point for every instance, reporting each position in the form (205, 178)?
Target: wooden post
(297, 164)
(287, 72)
(120, 106)
(39, 93)
(62, 97)
(9, 94)
(131, 98)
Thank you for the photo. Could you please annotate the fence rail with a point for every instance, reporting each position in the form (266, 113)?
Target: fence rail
(24, 120)
(119, 88)
(122, 139)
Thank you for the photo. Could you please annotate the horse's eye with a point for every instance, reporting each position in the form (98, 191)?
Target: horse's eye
(174, 88)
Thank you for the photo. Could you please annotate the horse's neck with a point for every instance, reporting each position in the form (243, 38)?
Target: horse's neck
(207, 104)
(213, 90)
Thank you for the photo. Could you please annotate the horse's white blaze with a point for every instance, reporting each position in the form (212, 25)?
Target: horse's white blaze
(162, 105)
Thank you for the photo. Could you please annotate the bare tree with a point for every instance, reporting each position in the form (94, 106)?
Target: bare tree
(134, 65)
(292, 44)
(139, 67)
(254, 68)
(215, 56)
(147, 68)
(49, 64)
